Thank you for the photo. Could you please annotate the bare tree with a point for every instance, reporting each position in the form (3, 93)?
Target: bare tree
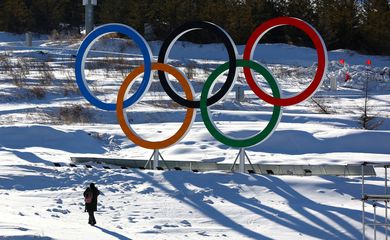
(368, 120)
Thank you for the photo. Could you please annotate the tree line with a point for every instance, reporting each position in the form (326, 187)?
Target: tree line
(362, 25)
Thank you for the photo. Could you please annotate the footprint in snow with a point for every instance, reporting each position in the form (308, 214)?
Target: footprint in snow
(170, 225)
(131, 220)
(151, 232)
(255, 200)
(111, 189)
(186, 223)
(203, 234)
(22, 229)
(209, 201)
(63, 211)
(146, 190)
(157, 227)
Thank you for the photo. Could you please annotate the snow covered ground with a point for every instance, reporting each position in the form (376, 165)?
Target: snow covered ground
(43, 119)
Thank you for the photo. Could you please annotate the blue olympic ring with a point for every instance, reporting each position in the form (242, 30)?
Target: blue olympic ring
(82, 54)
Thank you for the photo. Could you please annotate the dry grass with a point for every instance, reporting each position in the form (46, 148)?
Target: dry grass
(190, 70)
(46, 75)
(38, 92)
(74, 113)
(69, 84)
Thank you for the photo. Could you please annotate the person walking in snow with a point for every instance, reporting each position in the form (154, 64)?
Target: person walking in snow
(90, 198)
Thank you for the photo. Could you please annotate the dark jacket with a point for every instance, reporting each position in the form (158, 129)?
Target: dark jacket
(92, 207)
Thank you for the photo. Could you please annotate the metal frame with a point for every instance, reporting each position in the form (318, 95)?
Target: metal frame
(375, 198)
(242, 155)
(156, 155)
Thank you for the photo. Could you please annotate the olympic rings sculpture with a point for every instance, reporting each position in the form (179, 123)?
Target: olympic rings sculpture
(206, 99)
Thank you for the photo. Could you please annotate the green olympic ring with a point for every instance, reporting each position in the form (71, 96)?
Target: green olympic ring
(257, 138)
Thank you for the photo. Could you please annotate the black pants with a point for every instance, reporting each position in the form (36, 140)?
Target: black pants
(91, 219)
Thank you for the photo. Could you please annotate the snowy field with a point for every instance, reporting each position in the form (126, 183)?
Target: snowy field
(44, 119)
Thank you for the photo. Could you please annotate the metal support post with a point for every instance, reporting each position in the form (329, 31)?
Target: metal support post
(156, 156)
(242, 156)
(234, 163)
(89, 18)
(386, 222)
(367, 198)
(333, 84)
(241, 168)
(165, 163)
(374, 205)
(363, 217)
(247, 157)
(155, 159)
(28, 39)
(240, 95)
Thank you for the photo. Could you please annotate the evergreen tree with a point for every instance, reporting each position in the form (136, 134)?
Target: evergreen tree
(239, 21)
(264, 10)
(15, 16)
(302, 9)
(72, 12)
(355, 24)
(338, 22)
(375, 29)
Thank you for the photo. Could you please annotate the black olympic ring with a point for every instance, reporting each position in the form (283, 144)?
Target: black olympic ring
(168, 44)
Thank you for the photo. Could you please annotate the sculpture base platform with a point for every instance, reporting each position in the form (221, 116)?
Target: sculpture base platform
(270, 169)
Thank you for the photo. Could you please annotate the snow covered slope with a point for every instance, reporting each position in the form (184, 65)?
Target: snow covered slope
(43, 119)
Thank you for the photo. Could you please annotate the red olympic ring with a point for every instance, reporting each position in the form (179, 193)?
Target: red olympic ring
(321, 54)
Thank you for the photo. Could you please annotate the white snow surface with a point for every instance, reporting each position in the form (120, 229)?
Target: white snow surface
(40, 201)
